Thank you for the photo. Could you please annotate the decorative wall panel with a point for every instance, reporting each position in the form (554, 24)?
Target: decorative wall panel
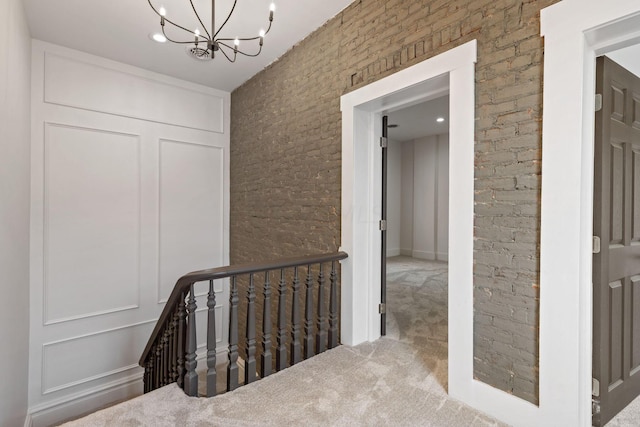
(75, 83)
(112, 351)
(191, 191)
(91, 222)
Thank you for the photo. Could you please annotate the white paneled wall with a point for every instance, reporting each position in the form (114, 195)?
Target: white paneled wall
(419, 212)
(130, 190)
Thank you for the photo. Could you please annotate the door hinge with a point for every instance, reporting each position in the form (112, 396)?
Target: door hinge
(384, 142)
(595, 387)
(598, 101)
(383, 225)
(596, 244)
(595, 406)
(382, 308)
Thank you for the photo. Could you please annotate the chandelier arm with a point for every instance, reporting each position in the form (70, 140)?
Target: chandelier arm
(247, 39)
(154, 9)
(226, 20)
(165, 19)
(239, 39)
(227, 56)
(268, 28)
(183, 28)
(200, 20)
(239, 51)
(174, 41)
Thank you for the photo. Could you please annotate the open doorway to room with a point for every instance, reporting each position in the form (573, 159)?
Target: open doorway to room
(417, 232)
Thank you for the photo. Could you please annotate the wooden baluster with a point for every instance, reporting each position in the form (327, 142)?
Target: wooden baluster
(158, 366)
(296, 351)
(281, 339)
(266, 328)
(321, 336)
(161, 364)
(169, 350)
(152, 373)
(232, 368)
(191, 377)
(250, 363)
(333, 307)
(145, 377)
(211, 341)
(308, 322)
(182, 314)
(174, 348)
(165, 357)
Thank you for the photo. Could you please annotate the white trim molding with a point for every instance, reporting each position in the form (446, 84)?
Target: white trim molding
(453, 72)
(575, 32)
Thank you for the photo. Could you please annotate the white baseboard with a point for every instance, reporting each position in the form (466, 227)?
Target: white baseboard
(393, 252)
(424, 255)
(86, 402)
(78, 405)
(406, 252)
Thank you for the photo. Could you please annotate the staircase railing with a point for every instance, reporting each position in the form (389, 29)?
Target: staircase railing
(170, 354)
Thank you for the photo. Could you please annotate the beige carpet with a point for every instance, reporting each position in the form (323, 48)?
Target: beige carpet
(398, 380)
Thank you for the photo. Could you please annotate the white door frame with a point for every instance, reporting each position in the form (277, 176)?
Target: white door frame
(454, 71)
(361, 201)
(575, 32)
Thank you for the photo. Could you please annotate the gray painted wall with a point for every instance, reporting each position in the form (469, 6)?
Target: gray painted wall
(15, 93)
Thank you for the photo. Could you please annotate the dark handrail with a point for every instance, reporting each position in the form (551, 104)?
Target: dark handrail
(183, 284)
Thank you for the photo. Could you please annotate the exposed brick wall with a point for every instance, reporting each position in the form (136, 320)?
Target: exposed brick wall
(286, 144)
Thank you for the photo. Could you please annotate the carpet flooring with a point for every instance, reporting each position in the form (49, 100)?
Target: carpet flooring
(399, 380)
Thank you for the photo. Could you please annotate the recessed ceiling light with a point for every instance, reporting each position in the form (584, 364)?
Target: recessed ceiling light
(440, 119)
(158, 37)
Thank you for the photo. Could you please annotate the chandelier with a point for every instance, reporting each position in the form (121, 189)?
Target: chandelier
(204, 46)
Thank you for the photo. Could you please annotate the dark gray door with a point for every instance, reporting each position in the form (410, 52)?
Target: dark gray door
(383, 231)
(616, 268)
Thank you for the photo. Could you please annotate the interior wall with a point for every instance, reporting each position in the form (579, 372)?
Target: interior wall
(15, 66)
(442, 190)
(425, 197)
(129, 192)
(286, 164)
(394, 197)
(406, 232)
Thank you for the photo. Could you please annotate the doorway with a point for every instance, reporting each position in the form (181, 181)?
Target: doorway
(575, 32)
(417, 231)
(616, 229)
(452, 72)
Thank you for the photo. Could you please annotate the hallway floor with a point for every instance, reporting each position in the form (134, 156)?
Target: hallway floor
(417, 307)
(417, 310)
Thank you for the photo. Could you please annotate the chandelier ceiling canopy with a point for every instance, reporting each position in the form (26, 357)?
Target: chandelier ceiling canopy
(204, 46)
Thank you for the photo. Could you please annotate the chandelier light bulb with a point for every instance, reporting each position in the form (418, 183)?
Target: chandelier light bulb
(197, 32)
(162, 11)
(236, 42)
(272, 8)
(440, 119)
(262, 33)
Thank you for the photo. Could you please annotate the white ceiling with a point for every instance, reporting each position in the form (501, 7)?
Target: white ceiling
(119, 30)
(419, 120)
